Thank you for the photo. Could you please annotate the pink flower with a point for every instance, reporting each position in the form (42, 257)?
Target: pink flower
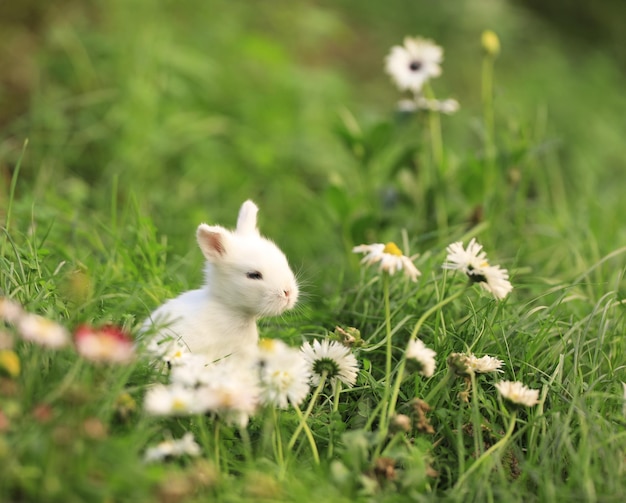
(107, 344)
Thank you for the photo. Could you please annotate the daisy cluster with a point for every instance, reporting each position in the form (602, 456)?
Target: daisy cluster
(236, 387)
(411, 65)
(471, 261)
(106, 344)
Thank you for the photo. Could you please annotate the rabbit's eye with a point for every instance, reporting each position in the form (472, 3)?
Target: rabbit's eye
(254, 275)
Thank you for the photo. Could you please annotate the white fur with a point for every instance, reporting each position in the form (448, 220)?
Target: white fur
(220, 318)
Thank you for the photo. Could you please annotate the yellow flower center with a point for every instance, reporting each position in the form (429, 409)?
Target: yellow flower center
(392, 249)
(179, 405)
(267, 345)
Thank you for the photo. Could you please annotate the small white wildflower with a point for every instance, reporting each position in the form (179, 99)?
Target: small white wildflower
(185, 446)
(231, 390)
(390, 257)
(333, 358)
(448, 106)
(42, 331)
(517, 393)
(495, 280)
(191, 371)
(173, 400)
(284, 376)
(484, 364)
(418, 351)
(10, 311)
(473, 262)
(414, 63)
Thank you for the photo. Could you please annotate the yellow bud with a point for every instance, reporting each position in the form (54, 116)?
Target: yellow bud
(490, 43)
(392, 249)
(10, 362)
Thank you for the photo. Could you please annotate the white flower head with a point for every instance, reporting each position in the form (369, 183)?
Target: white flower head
(10, 311)
(390, 257)
(284, 376)
(484, 364)
(414, 63)
(332, 358)
(190, 371)
(231, 390)
(424, 356)
(42, 331)
(173, 400)
(171, 448)
(517, 393)
(473, 262)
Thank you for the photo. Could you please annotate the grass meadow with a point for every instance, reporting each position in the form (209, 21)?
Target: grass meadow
(124, 124)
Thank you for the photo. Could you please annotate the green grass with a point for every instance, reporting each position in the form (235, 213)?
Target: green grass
(148, 119)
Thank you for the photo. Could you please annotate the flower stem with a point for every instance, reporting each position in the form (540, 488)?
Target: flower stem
(278, 441)
(418, 325)
(389, 347)
(307, 413)
(216, 441)
(434, 309)
(488, 118)
(331, 443)
(498, 445)
(309, 435)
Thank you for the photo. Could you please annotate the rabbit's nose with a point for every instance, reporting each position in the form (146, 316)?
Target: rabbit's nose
(287, 293)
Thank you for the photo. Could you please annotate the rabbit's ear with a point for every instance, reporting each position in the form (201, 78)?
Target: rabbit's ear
(246, 222)
(213, 241)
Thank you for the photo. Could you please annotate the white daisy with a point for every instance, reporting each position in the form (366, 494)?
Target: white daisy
(495, 280)
(191, 371)
(284, 376)
(414, 63)
(10, 311)
(333, 358)
(473, 262)
(42, 331)
(185, 446)
(517, 393)
(231, 391)
(424, 356)
(484, 364)
(390, 257)
(173, 400)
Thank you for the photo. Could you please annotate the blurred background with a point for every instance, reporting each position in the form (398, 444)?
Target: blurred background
(183, 109)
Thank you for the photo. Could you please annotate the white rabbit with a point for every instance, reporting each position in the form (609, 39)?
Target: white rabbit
(247, 277)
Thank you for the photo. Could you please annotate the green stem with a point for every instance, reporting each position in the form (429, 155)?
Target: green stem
(498, 445)
(308, 411)
(247, 445)
(278, 442)
(216, 441)
(309, 435)
(389, 347)
(67, 381)
(331, 443)
(418, 325)
(433, 309)
(488, 118)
